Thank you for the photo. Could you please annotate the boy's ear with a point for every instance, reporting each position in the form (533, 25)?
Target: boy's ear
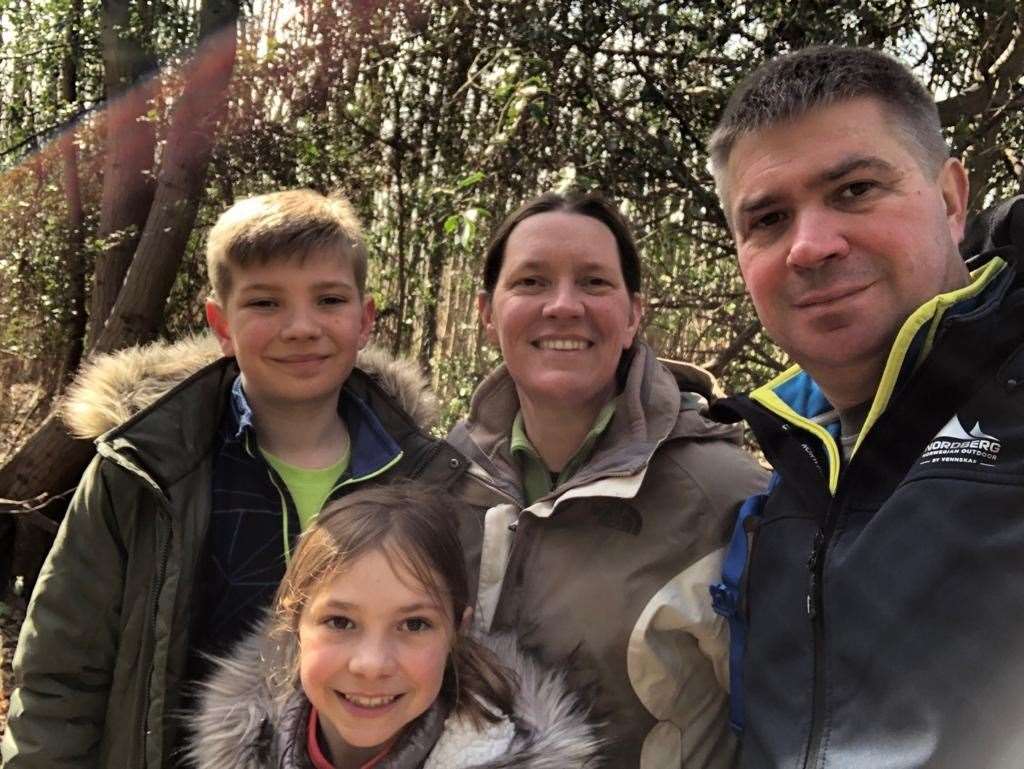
(366, 321)
(218, 322)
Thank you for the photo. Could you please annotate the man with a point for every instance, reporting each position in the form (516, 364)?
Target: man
(884, 589)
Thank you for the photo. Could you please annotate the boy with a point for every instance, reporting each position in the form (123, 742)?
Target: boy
(182, 525)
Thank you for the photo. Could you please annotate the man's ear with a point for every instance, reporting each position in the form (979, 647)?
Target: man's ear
(485, 308)
(955, 188)
(369, 314)
(217, 319)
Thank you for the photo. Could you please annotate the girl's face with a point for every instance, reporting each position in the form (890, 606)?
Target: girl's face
(374, 643)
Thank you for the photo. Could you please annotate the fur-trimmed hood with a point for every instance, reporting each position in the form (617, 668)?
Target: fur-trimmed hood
(112, 388)
(249, 716)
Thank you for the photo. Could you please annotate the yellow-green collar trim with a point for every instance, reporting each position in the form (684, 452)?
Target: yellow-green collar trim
(931, 312)
(766, 396)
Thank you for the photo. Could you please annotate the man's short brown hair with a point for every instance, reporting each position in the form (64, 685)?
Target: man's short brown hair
(283, 225)
(787, 87)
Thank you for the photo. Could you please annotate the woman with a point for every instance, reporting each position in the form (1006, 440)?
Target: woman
(608, 496)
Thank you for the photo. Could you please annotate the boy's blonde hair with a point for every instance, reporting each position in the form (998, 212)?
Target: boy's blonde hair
(279, 226)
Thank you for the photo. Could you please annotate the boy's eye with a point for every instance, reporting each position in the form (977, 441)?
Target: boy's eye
(416, 624)
(338, 622)
(332, 300)
(261, 303)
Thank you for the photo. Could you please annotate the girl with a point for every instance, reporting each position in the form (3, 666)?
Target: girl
(366, 661)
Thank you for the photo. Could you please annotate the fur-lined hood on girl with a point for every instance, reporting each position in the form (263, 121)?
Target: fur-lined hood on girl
(251, 717)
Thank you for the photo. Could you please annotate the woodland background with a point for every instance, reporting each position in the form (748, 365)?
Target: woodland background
(127, 126)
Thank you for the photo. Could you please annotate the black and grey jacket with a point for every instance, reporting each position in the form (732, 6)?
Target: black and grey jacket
(253, 715)
(885, 594)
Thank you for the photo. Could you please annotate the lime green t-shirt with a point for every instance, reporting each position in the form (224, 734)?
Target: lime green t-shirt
(537, 479)
(309, 489)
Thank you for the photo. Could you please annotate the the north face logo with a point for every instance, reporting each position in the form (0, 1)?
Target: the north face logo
(955, 444)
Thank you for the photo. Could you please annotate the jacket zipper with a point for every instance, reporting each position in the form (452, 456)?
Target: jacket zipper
(161, 576)
(816, 615)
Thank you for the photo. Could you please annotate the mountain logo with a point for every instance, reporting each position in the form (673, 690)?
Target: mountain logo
(955, 445)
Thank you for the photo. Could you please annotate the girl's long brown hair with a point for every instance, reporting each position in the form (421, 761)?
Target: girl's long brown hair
(415, 526)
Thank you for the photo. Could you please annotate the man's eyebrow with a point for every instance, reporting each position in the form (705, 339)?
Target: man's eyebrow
(836, 172)
(855, 163)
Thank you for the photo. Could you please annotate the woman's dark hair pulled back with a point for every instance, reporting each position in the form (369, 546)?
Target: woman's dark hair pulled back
(591, 204)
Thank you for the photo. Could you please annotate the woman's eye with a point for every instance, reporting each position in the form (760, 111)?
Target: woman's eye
(416, 624)
(528, 282)
(338, 622)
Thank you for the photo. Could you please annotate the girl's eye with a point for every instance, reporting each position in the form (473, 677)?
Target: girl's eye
(416, 624)
(338, 622)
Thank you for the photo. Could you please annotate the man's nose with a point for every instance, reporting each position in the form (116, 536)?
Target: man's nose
(817, 237)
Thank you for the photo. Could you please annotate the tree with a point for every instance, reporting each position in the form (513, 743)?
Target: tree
(437, 118)
(51, 461)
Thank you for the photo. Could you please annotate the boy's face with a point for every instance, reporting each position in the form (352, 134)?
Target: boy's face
(294, 327)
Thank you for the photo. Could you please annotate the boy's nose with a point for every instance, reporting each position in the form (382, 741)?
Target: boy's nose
(301, 324)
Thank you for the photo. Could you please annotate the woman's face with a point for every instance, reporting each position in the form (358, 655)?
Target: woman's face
(373, 647)
(561, 312)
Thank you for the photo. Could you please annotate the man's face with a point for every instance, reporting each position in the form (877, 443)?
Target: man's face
(841, 235)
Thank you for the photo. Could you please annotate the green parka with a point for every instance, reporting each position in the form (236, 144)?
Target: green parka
(104, 647)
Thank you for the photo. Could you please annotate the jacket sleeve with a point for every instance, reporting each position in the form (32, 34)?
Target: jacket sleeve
(64, 661)
(678, 660)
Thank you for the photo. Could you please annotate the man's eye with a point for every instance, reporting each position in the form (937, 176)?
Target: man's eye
(416, 624)
(767, 221)
(338, 622)
(856, 190)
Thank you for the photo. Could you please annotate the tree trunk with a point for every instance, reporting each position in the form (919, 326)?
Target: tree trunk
(129, 145)
(74, 253)
(51, 461)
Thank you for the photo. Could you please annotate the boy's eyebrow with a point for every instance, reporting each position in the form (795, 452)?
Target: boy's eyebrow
(321, 286)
